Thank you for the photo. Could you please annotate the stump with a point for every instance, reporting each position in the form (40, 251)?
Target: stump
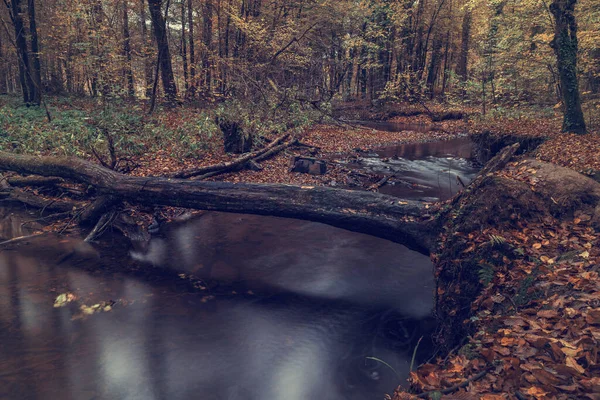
(307, 165)
(235, 140)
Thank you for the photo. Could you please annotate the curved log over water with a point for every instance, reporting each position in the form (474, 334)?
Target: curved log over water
(366, 212)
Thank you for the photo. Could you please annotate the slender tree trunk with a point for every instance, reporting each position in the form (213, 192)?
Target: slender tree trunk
(565, 47)
(16, 14)
(463, 57)
(434, 65)
(148, 75)
(208, 46)
(98, 78)
(128, 72)
(4, 77)
(35, 67)
(164, 55)
(184, 49)
(446, 63)
(192, 91)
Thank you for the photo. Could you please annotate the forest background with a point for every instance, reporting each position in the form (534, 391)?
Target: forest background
(275, 66)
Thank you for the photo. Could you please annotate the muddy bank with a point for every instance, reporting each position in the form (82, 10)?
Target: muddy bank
(517, 286)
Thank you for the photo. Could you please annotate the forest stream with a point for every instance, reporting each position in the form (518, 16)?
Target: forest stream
(284, 308)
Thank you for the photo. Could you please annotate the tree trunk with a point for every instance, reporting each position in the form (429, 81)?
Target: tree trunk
(164, 55)
(35, 67)
(565, 48)
(99, 84)
(446, 63)
(184, 50)
(146, 46)
(463, 57)
(16, 14)
(208, 47)
(128, 72)
(434, 65)
(372, 213)
(4, 76)
(192, 92)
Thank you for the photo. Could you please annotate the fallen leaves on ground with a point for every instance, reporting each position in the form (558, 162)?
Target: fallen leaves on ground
(537, 323)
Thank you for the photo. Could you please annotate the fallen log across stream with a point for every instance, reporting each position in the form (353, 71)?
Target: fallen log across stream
(379, 215)
(405, 222)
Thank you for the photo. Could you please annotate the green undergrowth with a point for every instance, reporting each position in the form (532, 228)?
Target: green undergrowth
(80, 125)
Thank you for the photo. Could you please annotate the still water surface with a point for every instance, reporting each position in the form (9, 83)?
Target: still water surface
(312, 303)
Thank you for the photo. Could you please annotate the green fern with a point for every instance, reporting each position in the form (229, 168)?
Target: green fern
(497, 241)
(486, 273)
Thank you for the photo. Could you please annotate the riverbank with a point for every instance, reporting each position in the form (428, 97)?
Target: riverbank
(518, 287)
(530, 294)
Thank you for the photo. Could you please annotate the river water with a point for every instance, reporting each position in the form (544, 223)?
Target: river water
(277, 308)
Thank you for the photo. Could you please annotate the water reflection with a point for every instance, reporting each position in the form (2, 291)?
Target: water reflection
(301, 257)
(325, 300)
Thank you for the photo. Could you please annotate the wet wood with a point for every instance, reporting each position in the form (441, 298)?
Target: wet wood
(212, 170)
(372, 213)
(307, 165)
(381, 182)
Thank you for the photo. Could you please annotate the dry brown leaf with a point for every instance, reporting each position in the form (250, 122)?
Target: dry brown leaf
(537, 392)
(593, 317)
(547, 314)
(571, 362)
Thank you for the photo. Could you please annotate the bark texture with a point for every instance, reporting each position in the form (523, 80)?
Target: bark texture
(565, 47)
(379, 215)
(164, 54)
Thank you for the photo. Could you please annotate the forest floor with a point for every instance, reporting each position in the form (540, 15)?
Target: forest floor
(536, 323)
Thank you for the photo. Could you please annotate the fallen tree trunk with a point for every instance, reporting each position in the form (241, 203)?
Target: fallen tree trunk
(221, 168)
(10, 193)
(379, 215)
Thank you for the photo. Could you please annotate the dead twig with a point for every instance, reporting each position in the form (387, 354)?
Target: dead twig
(457, 386)
(217, 169)
(20, 238)
(101, 226)
(382, 182)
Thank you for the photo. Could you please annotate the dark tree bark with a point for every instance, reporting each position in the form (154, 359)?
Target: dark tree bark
(463, 57)
(146, 51)
(446, 63)
(98, 79)
(164, 55)
(35, 67)
(16, 15)
(184, 49)
(207, 32)
(372, 213)
(565, 47)
(192, 91)
(127, 71)
(4, 77)
(434, 66)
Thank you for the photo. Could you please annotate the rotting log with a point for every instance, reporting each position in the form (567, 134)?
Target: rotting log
(258, 155)
(379, 215)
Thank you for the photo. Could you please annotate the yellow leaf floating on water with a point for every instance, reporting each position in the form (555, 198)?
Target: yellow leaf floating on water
(64, 299)
(86, 310)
